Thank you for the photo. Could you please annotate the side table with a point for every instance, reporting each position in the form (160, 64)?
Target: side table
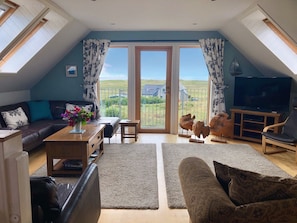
(129, 123)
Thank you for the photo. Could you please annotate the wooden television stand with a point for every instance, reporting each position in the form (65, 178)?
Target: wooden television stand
(248, 125)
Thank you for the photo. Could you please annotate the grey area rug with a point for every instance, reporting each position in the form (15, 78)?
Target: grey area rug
(128, 176)
(237, 155)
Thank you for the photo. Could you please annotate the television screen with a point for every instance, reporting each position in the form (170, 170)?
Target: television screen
(262, 93)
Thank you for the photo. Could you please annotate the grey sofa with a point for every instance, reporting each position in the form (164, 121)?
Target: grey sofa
(49, 122)
(64, 203)
(207, 198)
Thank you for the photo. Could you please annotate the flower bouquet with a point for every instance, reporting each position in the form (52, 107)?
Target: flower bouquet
(76, 116)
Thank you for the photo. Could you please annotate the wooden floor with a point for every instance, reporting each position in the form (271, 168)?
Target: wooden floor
(285, 160)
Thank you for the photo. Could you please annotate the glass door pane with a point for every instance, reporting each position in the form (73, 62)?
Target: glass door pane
(193, 84)
(152, 88)
(113, 84)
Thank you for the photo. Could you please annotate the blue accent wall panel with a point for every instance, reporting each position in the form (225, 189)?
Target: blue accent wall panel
(55, 85)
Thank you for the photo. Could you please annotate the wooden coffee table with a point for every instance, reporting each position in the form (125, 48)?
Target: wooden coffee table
(64, 146)
(129, 123)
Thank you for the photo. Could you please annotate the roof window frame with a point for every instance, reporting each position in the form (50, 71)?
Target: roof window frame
(282, 36)
(12, 7)
(23, 36)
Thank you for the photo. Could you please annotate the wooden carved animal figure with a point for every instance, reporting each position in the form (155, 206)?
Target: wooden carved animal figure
(199, 128)
(220, 125)
(186, 121)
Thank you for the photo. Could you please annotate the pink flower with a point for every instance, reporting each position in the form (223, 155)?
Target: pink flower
(77, 115)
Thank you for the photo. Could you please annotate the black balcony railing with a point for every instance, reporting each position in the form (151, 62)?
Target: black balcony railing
(114, 102)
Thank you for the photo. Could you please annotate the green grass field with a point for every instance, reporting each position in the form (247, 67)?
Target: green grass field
(153, 113)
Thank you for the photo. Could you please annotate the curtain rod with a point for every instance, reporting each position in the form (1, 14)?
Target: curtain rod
(155, 40)
(188, 40)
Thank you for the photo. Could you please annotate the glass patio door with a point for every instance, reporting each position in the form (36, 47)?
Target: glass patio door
(153, 76)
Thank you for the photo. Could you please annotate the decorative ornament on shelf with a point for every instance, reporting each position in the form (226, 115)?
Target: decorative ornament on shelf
(76, 118)
(235, 68)
(186, 123)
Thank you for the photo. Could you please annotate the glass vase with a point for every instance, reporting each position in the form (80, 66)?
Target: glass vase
(77, 127)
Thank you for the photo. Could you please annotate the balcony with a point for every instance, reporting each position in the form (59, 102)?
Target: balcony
(114, 103)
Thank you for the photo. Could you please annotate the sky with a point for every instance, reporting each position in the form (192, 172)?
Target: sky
(153, 65)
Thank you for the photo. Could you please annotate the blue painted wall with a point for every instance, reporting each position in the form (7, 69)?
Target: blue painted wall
(55, 85)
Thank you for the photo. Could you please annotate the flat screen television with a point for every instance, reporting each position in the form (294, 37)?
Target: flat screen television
(262, 93)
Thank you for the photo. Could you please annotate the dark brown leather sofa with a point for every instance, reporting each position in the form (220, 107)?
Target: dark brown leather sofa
(34, 133)
(64, 203)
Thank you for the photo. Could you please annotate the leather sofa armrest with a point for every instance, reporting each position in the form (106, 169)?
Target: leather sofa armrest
(84, 203)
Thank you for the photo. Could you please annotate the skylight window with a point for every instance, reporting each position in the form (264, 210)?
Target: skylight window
(272, 38)
(7, 8)
(34, 24)
(280, 35)
(3, 9)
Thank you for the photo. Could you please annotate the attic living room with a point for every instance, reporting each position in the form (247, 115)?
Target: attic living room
(45, 69)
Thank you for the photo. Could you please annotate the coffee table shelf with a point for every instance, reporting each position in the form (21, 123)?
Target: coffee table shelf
(66, 146)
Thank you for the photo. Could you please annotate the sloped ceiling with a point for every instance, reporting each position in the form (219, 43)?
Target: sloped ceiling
(134, 15)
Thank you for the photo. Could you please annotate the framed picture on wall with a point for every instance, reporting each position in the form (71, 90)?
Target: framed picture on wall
(71, 71)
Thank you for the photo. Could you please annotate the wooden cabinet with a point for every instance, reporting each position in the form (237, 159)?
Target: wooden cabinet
(248, 125)
(15, 199)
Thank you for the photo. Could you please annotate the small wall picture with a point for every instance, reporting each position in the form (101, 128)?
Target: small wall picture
(71, 71)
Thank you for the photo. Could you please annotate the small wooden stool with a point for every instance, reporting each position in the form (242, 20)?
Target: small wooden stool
(129, 123)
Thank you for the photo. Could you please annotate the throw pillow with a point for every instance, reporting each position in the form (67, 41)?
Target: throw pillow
(70, 107)
(39, 110)
(44, 194)
(248, 187)
(222, 174)
(15, 118)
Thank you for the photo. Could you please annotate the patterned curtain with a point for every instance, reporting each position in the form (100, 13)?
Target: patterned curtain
(213, 52)
(94, 52)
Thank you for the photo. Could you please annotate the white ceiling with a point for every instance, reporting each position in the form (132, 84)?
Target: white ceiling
(139, 15)
(223, 16)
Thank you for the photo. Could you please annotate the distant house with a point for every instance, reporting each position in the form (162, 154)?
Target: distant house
(153, 90)
(183, 93)
(157, 90)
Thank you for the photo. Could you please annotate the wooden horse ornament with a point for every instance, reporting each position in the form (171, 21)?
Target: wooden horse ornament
(200, 129)
(221, 126)
(186, 122)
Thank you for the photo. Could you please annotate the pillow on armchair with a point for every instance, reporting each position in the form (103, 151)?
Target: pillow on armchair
(259, 198)
(249, 187)
(44, 199)
(245, 187)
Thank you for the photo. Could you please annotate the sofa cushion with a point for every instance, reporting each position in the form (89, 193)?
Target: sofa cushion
(57, 108)
(39, 110)
(249, 187)
(15, 118)
(30, 138)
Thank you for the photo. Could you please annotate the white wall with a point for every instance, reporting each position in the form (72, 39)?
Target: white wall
(283, 14)
(261, 57)
(12, 97)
